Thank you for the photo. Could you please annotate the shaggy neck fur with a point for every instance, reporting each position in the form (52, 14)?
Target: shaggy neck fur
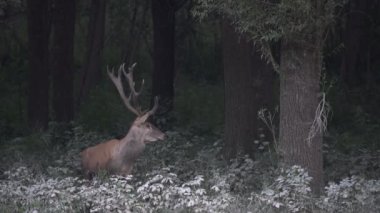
(132, 145)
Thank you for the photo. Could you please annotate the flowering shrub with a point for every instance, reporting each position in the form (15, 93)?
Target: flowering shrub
(163, 191)
(354, 193)
(160, 191)
(291, 190)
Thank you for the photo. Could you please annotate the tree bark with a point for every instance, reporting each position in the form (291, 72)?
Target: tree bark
(38, 82)
(299, 97)
(95, 43)
(163, 13)
(62, 62)
(247, 84)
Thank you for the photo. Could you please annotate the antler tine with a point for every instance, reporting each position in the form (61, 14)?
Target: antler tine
(129, 77)
(150, 112)
(155, 107)
(116, 79)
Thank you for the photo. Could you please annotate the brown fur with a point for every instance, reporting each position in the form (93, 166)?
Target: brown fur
(118, 156)
(97, 157)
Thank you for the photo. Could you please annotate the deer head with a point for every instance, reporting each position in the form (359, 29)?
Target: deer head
(140, 127)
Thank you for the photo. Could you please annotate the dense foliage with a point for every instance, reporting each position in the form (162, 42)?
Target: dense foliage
(266, 22)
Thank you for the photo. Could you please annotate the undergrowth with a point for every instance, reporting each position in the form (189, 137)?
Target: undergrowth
(184, 173)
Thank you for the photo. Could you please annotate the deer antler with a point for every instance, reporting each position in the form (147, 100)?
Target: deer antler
(131, 83)
(116, 79)
(154, 108)
(150, 112)
(129, 77)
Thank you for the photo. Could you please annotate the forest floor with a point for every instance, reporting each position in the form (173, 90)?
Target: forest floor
(183, 173)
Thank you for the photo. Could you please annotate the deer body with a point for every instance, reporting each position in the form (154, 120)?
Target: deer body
(114, 156)
(118, 156)
(98, 157)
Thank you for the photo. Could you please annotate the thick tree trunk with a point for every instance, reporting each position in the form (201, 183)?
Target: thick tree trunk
(95, 42)
(38, 85)
(163, 13)
(299, 98)
(62, 62)
(247, 84)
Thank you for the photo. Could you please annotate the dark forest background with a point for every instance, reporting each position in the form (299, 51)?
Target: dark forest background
(54, 59)
(301, 77)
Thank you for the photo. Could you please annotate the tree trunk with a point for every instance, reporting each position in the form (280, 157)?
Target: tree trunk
(247, 83)
(357, 43)
(299, 98)
(38, 82)
(163, 13)
(95, 42)
(136, 32)
(62, 62)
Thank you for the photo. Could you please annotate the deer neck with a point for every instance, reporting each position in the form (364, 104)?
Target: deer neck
(132, 145)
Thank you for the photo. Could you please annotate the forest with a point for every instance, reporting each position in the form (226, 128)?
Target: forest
(190, 106)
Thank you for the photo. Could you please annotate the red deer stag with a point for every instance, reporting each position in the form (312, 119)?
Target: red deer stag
(118, 156)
